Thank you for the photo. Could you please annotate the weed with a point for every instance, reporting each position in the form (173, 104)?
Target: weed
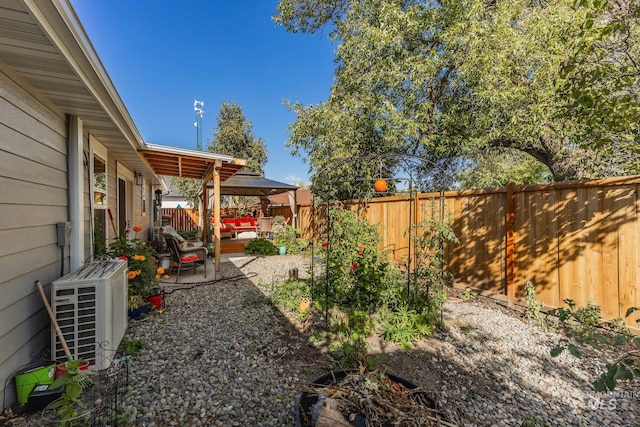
(316, 337)
(128, 416)
(290, 294)
(349, 351)
(131, 347)
(534, 307)
(582, 322)
(404, 326)
(468, 294)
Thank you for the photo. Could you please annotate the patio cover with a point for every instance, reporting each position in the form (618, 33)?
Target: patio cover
(246, 183)
(202, 165)
(185, 163)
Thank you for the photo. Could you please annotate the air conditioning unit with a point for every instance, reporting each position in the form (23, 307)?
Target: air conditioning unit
(90, 306)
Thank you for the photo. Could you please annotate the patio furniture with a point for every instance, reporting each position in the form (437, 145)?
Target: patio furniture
(241, 224)
(225, 229)
(182, 242)
(190, 257)
(264, 226)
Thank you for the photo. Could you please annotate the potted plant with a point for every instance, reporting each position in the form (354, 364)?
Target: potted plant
(137, 306)
(155, 298)
(143, 274)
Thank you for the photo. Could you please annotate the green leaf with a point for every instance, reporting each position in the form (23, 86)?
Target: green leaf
(555, 352)
(74, 390)
(601, 338)
(628, 362)
(61, 380)
(574, 351)
(600, 385)
(621, 340)
(630, 311)
(623, 373)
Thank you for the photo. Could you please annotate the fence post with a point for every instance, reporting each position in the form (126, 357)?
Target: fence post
(510, 224)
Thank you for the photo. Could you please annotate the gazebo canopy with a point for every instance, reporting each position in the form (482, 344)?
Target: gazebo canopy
(245, 183)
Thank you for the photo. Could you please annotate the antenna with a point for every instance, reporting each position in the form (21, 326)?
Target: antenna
(198, 107)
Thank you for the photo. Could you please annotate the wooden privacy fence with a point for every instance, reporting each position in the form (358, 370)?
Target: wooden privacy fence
(574, 241)
(182, 218)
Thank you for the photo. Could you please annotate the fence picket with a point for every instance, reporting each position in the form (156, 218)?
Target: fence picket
(574, 240)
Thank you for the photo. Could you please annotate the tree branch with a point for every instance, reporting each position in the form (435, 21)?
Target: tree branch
(537, 153)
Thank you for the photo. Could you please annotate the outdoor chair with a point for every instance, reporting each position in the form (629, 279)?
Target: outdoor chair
(190, 257)
(182, 242)
(264, 226)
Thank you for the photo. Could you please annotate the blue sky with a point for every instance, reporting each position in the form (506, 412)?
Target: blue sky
(163, 55)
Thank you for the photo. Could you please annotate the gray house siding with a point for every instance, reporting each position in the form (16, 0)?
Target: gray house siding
(33, 198)
(58, 108)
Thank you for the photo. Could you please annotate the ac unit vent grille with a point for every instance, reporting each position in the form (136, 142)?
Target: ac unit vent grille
(90, 307)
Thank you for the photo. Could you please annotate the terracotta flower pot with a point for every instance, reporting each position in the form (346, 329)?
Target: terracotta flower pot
(61, 368)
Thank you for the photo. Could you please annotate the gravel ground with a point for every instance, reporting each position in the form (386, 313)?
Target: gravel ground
(220, 355)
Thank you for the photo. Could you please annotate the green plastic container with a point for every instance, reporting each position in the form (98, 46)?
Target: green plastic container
(28, 380)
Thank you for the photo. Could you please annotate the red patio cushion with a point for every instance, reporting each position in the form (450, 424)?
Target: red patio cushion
(189, 257)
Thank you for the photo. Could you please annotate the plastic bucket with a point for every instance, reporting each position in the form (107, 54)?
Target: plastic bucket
(28, 380)
(282, 250)
(155, 300)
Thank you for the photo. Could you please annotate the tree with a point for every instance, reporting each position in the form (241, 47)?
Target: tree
(601, 80)
(233, 136)
(189, 188)
(456, 78)
(496, 168)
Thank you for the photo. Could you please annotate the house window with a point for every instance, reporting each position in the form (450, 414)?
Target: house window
(99, 183)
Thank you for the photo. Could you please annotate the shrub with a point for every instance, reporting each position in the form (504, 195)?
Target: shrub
(260, 246)
(286, 235)
(348, 337)
(289, 294)
(355, 264)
